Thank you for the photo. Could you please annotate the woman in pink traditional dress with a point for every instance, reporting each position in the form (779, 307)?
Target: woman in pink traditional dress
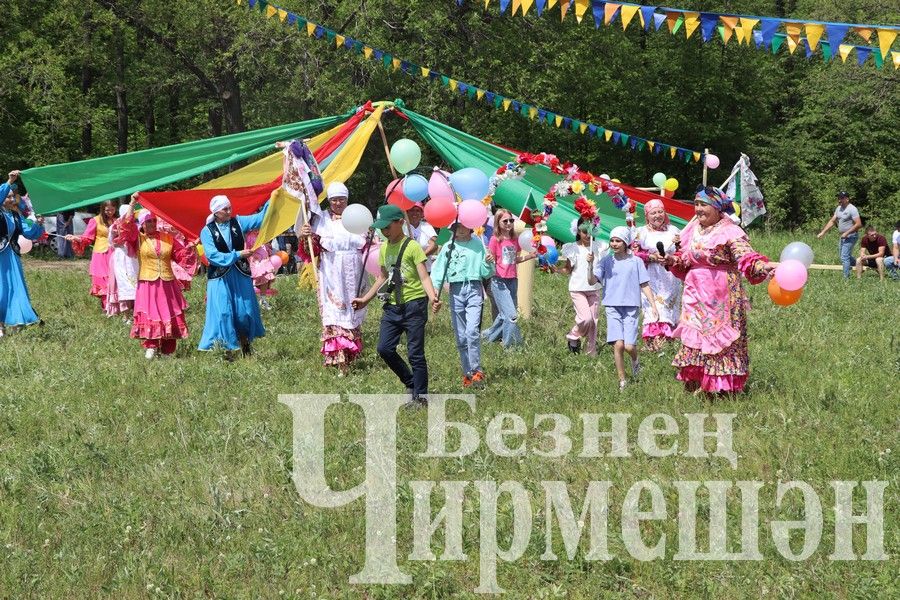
(658, 232)
(159, 304)
(97, 233)
(123, 271)
(340, 270)
(262, 271)
(714, 253)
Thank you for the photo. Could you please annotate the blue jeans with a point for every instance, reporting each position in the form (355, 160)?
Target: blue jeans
(466, 302)
(845, 247)
(892, 267)
(505, 327)
(409, 318)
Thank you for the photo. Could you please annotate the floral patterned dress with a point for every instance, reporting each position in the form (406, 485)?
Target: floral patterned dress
(666, 286)
(713, 323)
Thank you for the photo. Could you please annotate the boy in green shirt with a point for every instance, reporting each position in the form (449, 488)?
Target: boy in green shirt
(464, 263)
(404, 289)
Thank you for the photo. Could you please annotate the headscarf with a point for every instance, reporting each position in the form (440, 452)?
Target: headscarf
(621, 232)
(714, 197)
(216, 204)
(336, 189)
(145, 216)
(123, 210)
(655, 203)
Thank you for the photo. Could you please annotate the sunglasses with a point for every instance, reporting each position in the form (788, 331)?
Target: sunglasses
(507, 220)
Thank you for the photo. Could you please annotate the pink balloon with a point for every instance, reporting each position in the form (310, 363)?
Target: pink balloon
(440, 213)
(712, 161)
(372, 266)
(791, 275)
(394, 195)
(276, 261)
(548, 241)
(25, 245)
(439, 186)
(472, 213)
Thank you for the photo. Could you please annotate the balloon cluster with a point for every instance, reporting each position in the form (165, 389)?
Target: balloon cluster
(790, 274)
(670, 184)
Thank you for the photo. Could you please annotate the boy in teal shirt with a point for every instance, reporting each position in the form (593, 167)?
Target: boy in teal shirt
(468, 264)
(405, 289)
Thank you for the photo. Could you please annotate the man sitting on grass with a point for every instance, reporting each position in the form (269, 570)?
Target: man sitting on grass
(873, 249)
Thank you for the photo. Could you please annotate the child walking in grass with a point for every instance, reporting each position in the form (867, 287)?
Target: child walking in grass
(624, 278)
(578, 261)
(464, 263)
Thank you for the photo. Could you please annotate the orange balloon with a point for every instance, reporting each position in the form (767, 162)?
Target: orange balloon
(783, 297)
(283, 256)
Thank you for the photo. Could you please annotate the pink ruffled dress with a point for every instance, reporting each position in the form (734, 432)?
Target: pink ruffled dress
(96, 233)
(713, 323)
(262, 272)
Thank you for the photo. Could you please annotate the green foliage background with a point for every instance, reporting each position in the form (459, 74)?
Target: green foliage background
(186, 68)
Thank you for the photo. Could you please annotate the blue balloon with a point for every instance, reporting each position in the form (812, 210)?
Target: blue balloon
(415, 187)
(550, 257)
(470, 183)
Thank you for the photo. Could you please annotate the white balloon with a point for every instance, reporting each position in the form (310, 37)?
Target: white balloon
(525, 240)
(797, 251)
(357, 219)
(25, 245)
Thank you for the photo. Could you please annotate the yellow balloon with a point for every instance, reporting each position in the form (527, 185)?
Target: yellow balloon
(671, 184)
(518, 227)
(616, 181)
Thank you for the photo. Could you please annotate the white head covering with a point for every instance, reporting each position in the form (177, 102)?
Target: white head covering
(621, 232)
(145, 216)
(336, 189)
(123, 210)
(216, 204)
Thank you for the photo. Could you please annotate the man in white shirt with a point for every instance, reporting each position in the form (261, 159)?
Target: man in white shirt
(892, 262)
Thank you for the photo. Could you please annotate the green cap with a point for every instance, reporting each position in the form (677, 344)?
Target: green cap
(387, 214)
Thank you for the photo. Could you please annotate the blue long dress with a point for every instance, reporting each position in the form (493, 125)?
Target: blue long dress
(232, 311)
(15, 303)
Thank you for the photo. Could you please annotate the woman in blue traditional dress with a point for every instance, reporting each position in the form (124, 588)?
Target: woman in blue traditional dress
(15, 304)
(232, 312)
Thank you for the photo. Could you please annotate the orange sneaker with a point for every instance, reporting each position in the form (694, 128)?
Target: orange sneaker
(478, 379)
(467, 381)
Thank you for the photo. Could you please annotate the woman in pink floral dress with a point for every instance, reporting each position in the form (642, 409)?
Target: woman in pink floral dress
(714, 254)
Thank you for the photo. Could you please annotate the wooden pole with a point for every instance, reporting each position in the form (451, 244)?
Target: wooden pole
(309, 241)
(387, 154)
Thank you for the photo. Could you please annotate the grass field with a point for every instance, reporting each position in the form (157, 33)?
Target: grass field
(126, 478)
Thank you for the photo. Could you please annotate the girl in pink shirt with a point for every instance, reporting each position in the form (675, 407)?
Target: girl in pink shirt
(504, 284)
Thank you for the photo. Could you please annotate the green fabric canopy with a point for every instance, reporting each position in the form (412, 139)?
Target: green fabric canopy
(462, 150)
(72, 185)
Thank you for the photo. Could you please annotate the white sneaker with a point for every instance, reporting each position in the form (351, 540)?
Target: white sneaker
(150, 353)
(264, 304)
(622, 386)
(635, 367)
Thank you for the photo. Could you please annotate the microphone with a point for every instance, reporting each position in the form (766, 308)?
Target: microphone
(660, 248)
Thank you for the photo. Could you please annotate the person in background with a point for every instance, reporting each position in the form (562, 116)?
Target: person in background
(65, 226)
(892, 262)
(97, 232)
(848, 223)
(873, 248)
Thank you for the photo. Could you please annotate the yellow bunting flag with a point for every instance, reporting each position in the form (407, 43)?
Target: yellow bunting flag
(672, 19)
(479, 94)
(672, 152)
(696, 157)
(582, 128)
(896, 60)
(814, 34)
(726, 34)
(282, 15)
(558, 120)
(886, 37)
(864, 32)
(628, 12)
(691, 22)
(792, 45)
(551, 3)
(339, 41)
(239, 2)
(515, 7)
(793, 32)
(607, 135)
(609, 11)
(453, 83)
(532, 113)
(506, 104)
(271, 11)
(367, 52)
(747, 26)
(650, 145)
(395, 63)
(526, 6)
(844, 51)
(729, 24)
(311, 29)
(581, 7)
(425, 71)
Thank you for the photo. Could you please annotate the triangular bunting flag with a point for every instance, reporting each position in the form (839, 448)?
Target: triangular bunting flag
(862, 54)
(814, 33)
(616, 136)
(650, 145)
(489, 97)
(777, 41)
(532, 113)
(610, 10)
(367, 52)
(261, 5)
(597, 10)
(282, 15)
(503, 6)
(793, 31)
(526, 6)
(836, 34)
(747, 25)
(581, 7)
(453, 84)
(516, 4)
(633, 143)
(726, 34)
(691, 22)
(539, 6)
(628, 12)
(647, 16)
(339, 41)
(395, 63)
(672, 152)
(425, 71)
(886, 37)
(462, 87)
(864, 32)
(516, 105)
(708, 23)
(271, 11)
(582, 128)
(672, 19)
(768, 29)
(844, 51)
(592, 129)
(498, 101)
(311, 28)
(826, 51)
(329, 35)
(658, 20)
(696, 156)
(506, 104)
(607, 134)
(563, 9)
(896, 56)
(792, 45)
(624, 139)
(558, 120)
(479, 94)
(879, 62)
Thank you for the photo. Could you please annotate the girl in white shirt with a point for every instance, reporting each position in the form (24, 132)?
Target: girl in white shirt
(578, 264)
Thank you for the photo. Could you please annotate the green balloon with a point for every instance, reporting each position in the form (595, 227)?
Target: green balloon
(659, 180)
(444, 236)
(405, 155)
